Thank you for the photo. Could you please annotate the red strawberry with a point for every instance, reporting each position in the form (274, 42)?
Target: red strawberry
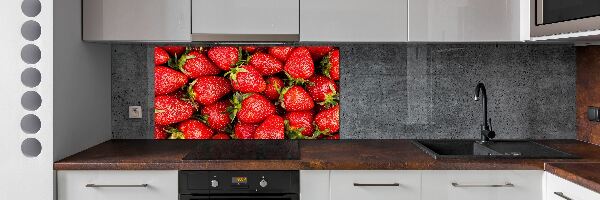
(167, 80)
(323, 90)
(317, 52)
(246, 79)
(195, 64)
(274, 85)
(253, 49)
(299, 124)
(224, 57)
(333, 137)
(159, 132)
(216, 115)
(272, 128)
(281, 52)
(174, 50)
(207, 90)
(295, 98)
(331, 65)
(169, 110)
(251, 108)
(160, 56)
(192, 129)
(220, 136)
(299, 64)
(265, 63)
(328, 121)
(244, 131)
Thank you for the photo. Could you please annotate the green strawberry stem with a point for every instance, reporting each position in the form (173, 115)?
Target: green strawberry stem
(236, 104)
(331, 99)
(326, 66)
(293, 133)
(232, 74)
(243, 57)
(295, 81)
(175, 133)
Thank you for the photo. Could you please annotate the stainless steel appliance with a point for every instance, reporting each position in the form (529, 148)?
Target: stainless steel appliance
(553, 17)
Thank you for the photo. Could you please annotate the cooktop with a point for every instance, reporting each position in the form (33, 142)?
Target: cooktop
(245, 150)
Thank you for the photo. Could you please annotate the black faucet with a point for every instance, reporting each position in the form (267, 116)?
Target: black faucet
(486, 129)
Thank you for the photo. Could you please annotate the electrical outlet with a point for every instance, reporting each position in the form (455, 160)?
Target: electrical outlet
(135, 112)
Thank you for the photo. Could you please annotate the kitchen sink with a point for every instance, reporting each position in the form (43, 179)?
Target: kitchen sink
(440, 149)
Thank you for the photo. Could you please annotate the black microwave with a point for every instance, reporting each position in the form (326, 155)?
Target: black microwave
(554, 17)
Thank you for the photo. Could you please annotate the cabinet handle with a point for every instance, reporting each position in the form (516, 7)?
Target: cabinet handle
(492, 185)
(115, 186)
(376, 184)
(560, 194)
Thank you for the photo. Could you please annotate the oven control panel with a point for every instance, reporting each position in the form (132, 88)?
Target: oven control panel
(228, 182)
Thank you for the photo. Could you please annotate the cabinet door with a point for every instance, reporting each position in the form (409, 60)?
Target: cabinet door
(560, 189)
(468, 20)
(314, 185)
(482, 185)
(373, 184)
(117, 185)
(353, 20)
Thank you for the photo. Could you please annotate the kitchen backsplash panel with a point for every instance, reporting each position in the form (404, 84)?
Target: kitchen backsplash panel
(410, 90)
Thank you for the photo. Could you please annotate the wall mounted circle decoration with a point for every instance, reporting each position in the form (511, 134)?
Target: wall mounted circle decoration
(31, 30)
(31, 54)
(30, 124)
(31, 147)
(31, 100)
(31, 8)
(31, 77)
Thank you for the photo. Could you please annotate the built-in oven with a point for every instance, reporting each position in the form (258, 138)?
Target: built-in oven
(553, 17)
(238, 185)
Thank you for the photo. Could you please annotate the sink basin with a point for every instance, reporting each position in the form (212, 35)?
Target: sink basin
(440, 149)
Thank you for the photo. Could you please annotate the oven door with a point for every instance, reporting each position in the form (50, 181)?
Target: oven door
(241, 197)
(552, 17)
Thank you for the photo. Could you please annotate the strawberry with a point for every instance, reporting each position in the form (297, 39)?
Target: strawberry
(299, 64)
(328, 121)
(272, 128)
(224, 57)
(159, 132)
(281, 52)
(216, 115)
(160, 56)
(274, 86)
(174, 50)
(220, 136)
(333, 137)
(167, 80)
(265, 63)
(244, 131)
(191, 129)
(169, 110)
(331, 65)
(195, 64)
(207, 90)
(295, 98)
(246, 79)
(253, 49)
(299, 124)
(251, 108)
(323, 90)
(318, 52)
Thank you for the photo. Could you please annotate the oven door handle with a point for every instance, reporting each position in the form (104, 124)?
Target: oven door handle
(239, 196)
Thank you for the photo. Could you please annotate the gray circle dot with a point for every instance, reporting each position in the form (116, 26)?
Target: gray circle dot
(31, 8)
(31, 54)
(31, 77)
(31, 100)
(31, 147)
(31, 30)
(31, 124)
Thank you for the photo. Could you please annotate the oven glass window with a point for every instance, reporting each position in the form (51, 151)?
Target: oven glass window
(564, 10)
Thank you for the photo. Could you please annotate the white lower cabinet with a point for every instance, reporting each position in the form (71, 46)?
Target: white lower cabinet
(560, 189)
(116, 185)
(482, 185)
(373, 184)
(314, 184)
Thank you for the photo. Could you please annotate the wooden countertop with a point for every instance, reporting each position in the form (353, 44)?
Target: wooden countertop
(584, 174)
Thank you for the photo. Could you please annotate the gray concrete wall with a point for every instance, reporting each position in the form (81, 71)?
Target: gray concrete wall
(413, 90)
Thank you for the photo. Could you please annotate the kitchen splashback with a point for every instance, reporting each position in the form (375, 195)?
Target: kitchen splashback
(409, 90)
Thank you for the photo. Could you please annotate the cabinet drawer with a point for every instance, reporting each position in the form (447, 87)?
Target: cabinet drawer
(560, 189)
(380, 185)
(117, 185)
(482, 185)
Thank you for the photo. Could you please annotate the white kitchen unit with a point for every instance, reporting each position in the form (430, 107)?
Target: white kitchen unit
(558, 188)
(468, 20)
(375, 184)
(314, 184)
(482, 184)
(117, 185)
(244, 20)
(354, 20)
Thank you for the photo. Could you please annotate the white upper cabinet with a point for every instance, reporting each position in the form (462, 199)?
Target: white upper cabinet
(354, 20)
(468, 20)
(245, 20)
